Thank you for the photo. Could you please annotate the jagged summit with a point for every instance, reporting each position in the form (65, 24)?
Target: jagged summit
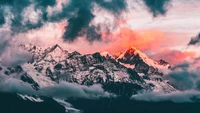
(116, 55)
(107, 55)
(133, 56)
(56, 47)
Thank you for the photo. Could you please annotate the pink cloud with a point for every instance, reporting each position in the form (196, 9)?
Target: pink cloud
(174, 56)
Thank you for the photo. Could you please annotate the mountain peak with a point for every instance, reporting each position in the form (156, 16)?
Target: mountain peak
(116, 55)
(133, 56)
(106, 54)
(56, 47)
(131, 50)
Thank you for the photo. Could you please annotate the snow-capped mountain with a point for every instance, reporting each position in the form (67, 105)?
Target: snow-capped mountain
(149, 69)
(125, 73)
(140, 61)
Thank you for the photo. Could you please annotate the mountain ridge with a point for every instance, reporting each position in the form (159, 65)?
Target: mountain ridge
(51, 65)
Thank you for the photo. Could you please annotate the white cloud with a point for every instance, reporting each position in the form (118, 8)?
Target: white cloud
(177, 96)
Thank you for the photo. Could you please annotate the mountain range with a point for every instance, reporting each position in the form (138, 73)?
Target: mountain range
(124, 73)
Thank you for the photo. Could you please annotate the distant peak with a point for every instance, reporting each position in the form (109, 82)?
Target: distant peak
(132, 48)
(57, 46)
(116, 55)
(132, 51)
(106, 54)
(51, 49)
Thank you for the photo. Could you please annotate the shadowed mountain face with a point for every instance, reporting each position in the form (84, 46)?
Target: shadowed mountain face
(13, 103)
(125, 105)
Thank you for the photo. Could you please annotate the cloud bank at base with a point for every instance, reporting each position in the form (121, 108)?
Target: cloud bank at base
(62, 90)
(177, 96)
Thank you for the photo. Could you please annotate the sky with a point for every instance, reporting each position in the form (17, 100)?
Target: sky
(163, 29)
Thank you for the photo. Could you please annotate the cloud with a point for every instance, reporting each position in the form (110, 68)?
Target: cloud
(142, 40)
(2, 19)
(195, 40)
(5, 37)
(78, 23)
(79, 14)
(182, 66)
(185, 75)
(15, 56)
(173, 56)
(34, 14)
(183, 80)
(63, 90)
(157, 7)
(13, 85)
(177, 96)
(66, 90)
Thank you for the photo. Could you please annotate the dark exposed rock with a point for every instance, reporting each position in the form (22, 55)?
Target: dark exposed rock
(49, 73)
(134, 75)
(98, 57)
(7, 73)
(122, 88)
(58, 66)
(39, 68)
(26, 78)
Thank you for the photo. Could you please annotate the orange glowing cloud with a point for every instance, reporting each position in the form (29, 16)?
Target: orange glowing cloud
(143, 39)
(174, 56)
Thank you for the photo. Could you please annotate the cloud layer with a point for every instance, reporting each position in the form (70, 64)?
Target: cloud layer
(62, 90)
(34, 14)
(178, 96)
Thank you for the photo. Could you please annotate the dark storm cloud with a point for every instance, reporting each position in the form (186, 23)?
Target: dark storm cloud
(79, 14)
(79, 22)
(92, 31)
(157, 7)
(195, 40)
(45, 3)
(2, 19)
(115, 6)
(17, 7)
